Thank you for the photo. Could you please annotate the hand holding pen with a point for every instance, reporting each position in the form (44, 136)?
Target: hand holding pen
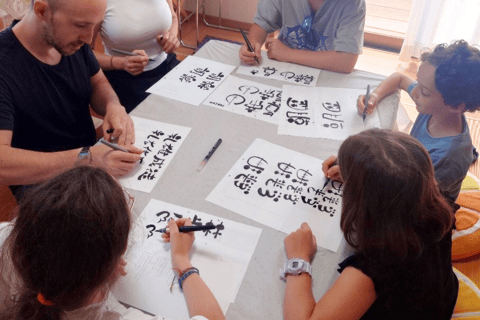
(366, 104)
(134, 62)
(331, 170)
(181, 242)
(246, 55)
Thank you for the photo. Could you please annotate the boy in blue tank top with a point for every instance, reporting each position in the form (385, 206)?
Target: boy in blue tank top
(447, 86)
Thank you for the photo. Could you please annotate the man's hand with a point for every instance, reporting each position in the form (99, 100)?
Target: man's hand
(117, 163)
(135, 64)
(276, 50)
(124, 130)
(168, 42)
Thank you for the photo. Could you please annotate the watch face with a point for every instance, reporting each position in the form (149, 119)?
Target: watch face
(295, 264)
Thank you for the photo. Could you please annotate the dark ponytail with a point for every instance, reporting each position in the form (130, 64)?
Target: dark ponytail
(67, 240)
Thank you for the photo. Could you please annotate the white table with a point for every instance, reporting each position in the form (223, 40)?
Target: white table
(261, 293)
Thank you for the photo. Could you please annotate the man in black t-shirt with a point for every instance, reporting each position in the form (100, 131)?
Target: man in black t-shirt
(48, 80)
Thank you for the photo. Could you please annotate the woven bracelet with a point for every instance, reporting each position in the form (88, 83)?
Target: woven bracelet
(186, 274)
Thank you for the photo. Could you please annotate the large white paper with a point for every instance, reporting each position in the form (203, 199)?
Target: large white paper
(160, 142)
(248, 98)
(192, 80)
(283, 71)
(282, 188)
(329, 113)
(222, 255)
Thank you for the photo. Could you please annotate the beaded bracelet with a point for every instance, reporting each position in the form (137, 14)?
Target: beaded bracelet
(185, 273)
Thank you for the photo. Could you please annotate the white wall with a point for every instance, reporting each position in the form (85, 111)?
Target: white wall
(237, 10)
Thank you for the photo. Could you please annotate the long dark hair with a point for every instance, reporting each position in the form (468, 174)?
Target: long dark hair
(67, 240)
(392, 208)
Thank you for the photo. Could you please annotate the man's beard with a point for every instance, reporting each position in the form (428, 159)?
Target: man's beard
(48, 36)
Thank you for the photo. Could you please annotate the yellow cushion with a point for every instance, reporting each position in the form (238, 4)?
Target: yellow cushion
(466, 238)
(468, 301)
(469, 183)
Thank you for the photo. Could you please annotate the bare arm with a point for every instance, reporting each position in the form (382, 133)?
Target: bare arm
(200, 300)
(328, 60)
(348, 299)
(392, 83)
(257, 37)
(132, 64)
(23, 167)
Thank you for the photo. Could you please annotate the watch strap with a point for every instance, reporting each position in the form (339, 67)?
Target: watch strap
(85, 155)
(307, 268)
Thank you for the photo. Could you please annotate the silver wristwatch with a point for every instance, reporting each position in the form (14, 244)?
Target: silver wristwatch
(295, 267)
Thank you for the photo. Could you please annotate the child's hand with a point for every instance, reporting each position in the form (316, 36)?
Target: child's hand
(372, 103)
(331, 171)
(301, 243)
(181, 242)
(248, 57)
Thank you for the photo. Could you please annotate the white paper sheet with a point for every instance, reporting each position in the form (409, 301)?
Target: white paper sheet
(248, 98)
(282, 188)
(329, 113)
(222, 255)
(160, 142)
(192, 80)
(283, 71)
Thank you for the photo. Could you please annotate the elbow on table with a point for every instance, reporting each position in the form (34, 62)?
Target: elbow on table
(347, 63)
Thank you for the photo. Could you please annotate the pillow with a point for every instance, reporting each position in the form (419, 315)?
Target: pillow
(466, 237)
(468, 301)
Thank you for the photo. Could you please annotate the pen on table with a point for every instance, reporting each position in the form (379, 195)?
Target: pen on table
(129, 53)
(249, 45)
(367, 97)
(207, 157)
(189, 228)
(112, 145)
(327, 180)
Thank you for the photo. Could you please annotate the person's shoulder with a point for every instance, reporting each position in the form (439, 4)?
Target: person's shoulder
(7, 42)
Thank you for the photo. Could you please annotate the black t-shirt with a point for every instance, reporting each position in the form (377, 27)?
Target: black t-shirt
(46, 107)
(425, 288)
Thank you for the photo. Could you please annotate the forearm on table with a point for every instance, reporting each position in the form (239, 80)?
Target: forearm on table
(299, 301)
(23, 167)
(200, 300)
(392, 83)
(109, 62)
(103, 94)
(342, 62)
(257, 35)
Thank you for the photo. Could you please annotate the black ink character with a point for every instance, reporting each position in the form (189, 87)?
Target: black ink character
(215, 77)
(332, 107)
(166, 150)
(173, 137)
(206, 85)
(275, 195)
(299, 118)
(267, 94)
(235, 98)
(162, 216)
(335, 121)
(295, 189)
(268, 71)
(149, 174)
(271, 108)
(302, 177)
(220, 227)
(254, 106)
(284, 169)
(288, 75)
(301, 105)
(187, 78)
(254, 72)
(199, 71)
(255, 164)
(248, 89)
(277, 183)
(307, 79)
(157, 162)
(291, 197)
(245, 182)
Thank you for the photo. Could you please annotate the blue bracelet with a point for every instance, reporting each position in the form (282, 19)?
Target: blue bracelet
(186, 274)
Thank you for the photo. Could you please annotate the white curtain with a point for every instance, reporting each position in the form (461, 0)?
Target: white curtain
(440, 21)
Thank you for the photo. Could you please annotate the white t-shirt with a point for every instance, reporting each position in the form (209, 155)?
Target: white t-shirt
(108, 309)
(135, 24)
